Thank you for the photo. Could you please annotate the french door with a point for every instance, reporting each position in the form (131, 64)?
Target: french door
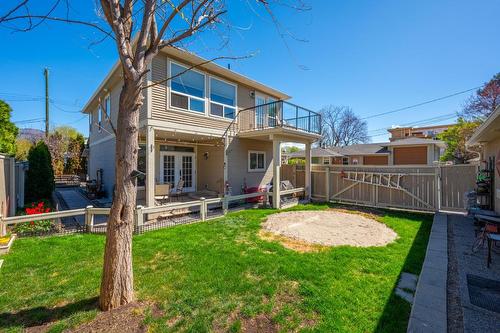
(176, 166)
(266, 115)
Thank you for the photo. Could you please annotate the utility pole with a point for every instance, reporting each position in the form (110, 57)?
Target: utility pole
(46, 74)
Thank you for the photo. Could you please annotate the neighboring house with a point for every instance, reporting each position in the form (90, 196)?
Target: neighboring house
(426, 132)
(210, 127)
(488, 136)
(410, 151)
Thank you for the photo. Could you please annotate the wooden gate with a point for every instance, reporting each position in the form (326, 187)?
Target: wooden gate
(426, 188)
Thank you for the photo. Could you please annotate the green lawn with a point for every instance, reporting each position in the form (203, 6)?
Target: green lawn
(218, 275)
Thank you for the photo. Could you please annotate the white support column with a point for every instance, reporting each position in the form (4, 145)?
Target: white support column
(276, 172)
(226, 170)
(150, 166)
(308, 171)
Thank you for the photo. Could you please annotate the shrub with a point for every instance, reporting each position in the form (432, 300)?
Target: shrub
(40, 176)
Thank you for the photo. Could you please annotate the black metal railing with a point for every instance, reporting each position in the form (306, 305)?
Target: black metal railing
(279, 114)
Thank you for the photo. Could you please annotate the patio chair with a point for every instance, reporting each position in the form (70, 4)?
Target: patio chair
(177, 192)
(162, 193)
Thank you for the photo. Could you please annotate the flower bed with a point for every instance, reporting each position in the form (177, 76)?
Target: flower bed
(35, 226)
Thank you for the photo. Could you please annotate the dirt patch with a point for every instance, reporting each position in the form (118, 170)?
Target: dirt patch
(126, 319)
(291, 243)
(327, 228)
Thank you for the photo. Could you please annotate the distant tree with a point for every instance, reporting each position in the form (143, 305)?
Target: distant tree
(291, 149)
(341, 127)
(484, 101)
(8, 131)
(455, 138)
(65, 145)
(57, 148)
(23, 147)
(74, 160)
(40, 176)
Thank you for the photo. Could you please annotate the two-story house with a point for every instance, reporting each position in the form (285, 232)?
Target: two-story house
(206, 125)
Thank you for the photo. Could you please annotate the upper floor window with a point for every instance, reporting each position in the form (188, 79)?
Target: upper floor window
(99, 118)
(107, 106)
(345, 160)
(222, 98)
(188, 89)
(326, 160)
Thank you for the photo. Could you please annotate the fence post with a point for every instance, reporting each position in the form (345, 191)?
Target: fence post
(225, 205)
(438, 186)
(203, 209)
(266, 200)
(89, 219)
(327, 184)
(139, 217)
(3, 227)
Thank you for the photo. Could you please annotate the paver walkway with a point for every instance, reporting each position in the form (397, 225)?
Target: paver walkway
(475, 319)
(74, 199)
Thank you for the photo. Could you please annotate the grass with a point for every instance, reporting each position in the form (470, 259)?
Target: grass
(218, 275)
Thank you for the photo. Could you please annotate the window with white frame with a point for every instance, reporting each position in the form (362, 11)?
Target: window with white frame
(222, 98)
(99, 118)
(107, 106)
(256, 160)
(187, 89)
(326, 160)
(345, 160)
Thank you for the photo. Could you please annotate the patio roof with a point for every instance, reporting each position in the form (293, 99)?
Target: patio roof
(489, 130)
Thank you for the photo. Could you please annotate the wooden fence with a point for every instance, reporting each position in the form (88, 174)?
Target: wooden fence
(426, 188)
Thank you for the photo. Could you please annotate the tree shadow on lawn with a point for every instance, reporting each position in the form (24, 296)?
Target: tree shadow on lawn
(42, 315)
(392, 319)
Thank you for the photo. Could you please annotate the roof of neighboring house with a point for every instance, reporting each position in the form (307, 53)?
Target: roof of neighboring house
(362, 149)
(367, 148)
(412, 141)
(191, 58)
(316, 152)
(487, 131)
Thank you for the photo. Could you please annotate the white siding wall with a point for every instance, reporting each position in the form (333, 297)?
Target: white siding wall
(102, 156)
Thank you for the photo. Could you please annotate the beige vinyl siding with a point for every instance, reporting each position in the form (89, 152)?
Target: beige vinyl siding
(102, 156)
(159, 98)
(210, 172)
(492, 149)
(238, 164)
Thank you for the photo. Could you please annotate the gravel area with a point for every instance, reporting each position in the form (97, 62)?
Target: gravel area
(330, 228)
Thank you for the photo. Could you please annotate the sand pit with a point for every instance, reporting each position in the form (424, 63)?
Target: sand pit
(330, 228)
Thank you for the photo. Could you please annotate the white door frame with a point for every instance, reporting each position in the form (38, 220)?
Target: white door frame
(264, 114)
(178, 167)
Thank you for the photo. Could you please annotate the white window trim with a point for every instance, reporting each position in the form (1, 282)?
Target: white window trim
(343, 158)
(327, 159)
(106, 111)
(235, 106)
(203, 99)
(257, 169)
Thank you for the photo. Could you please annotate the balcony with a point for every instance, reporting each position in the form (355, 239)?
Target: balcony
(267, 118)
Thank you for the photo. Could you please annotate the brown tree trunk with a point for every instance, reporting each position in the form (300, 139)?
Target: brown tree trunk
(117, 285)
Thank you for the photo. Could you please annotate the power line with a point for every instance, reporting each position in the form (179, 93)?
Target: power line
(420, 122)
(422, 103)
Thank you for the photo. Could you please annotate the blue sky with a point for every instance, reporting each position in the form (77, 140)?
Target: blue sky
(373, 56)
